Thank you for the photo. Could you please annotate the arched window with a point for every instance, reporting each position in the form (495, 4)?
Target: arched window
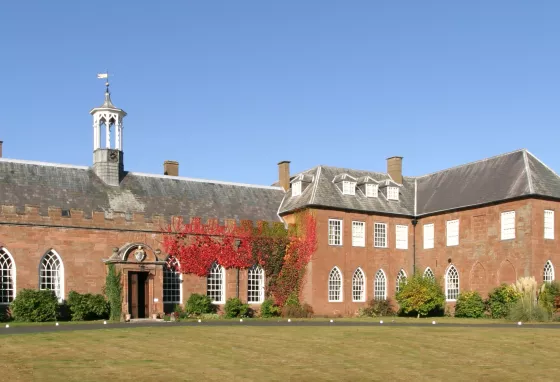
(380, 286)
(451, 283)
(215, 285)
(548, 274)
(335, 285)
(51, 274)
(358, 286)
(255, 284)
(7, 277)
(428, 273)
(401, 278)
(172, 283)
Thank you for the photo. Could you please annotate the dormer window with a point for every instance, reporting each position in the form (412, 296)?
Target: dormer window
(393, 193)
(348, 188)
(296, 188)
(371, 190)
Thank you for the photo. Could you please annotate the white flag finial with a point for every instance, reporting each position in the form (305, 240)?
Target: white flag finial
(102, 75)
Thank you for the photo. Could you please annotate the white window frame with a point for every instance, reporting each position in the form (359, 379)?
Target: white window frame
(452, 238)
(296, 188)
(60, 273)
(401, 236)
(331, 281)
(448, 288)
(170, 272)
(380, 279)
(549, 224)
(332, 237)
(548, 272)
(348, 188)
(429, 273)
(392, 193)
(400, 276)
(255, 276)
(372, 190)
(429, 230)
(376, 232)
(507, 225)
(359, 283)
(222, 299)
(358, 234)
(8, 265)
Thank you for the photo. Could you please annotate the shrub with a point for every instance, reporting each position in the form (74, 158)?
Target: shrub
(421, 296)
(269, 309)
(297, 311)
(210, 316)
(469, 305)
(198, 304)
(549, 297)
(35, 306)
(501, 299)
(87, 306)
(378, 308)
(527, 307)
(113, 291)
(235, 308)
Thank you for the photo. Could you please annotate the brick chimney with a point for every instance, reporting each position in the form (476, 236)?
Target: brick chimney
(171, 168)
(1, 149)
(284, 174)
(394, 168)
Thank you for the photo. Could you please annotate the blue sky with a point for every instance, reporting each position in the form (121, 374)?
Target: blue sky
(229, 88)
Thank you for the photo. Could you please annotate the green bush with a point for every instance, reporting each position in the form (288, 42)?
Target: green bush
(269, 309)
(198, 304)
(470, 305)
(421, 296)
(378, 308)
(500, 299)
(549, 297)
(297, 311)
(87, 306)
(235, 308)
(35, 306)
(210, 316)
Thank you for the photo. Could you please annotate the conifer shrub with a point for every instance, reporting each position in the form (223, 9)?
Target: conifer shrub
(470, 305)
(421, 296)
(234, 308)
(35, 306)
(198, 304)
(113, 291)
(500, 300)
(87, 306)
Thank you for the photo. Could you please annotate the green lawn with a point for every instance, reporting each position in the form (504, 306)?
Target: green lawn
(282, 353)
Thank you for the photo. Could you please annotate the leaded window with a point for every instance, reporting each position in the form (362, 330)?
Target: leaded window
(7, 277)
(380, 286)
(335, 285)
(452, 284)
(401, 279)
(548, 273)
(215, 284)
(380, 235)
(51, 274)
(358, 286)
(172, 280)
(335, 232)
(428, 273)
(255, 284)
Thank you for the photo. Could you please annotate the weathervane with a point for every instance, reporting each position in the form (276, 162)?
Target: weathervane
(106, 76)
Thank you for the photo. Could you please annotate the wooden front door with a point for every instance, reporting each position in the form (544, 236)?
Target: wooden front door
(138, 294)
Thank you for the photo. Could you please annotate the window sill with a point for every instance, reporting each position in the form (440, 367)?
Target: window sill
(446, 300)
(336, 301)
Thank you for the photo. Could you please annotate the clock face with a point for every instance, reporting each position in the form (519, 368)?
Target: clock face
(113, 156)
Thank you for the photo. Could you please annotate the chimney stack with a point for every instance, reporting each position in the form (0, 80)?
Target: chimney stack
(284, 174)
(394, 168)
(1, 149)
(171, 168)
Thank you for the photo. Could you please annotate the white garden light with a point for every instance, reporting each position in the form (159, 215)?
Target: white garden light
(104, 322)
(519, 323)
(56, 324)
(199, 320)
(240, 320)
(7, 325)
(433, 322)
(332, 321)
(289, 320)
(381, 322)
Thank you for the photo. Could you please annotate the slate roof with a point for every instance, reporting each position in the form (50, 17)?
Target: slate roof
(52, 185)
(507, 176)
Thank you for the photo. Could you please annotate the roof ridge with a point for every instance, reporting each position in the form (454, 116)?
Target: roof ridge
(206, 181)
(38, 163)
(528, 172)
(315, 185)
(471, 163)
(541, 162)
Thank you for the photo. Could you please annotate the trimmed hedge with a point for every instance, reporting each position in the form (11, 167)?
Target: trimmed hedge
(35, 306)
(87, 306)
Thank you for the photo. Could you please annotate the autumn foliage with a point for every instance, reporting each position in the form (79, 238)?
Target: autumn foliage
(283, 254)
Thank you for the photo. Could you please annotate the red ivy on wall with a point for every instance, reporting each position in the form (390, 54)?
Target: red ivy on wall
(193, 247)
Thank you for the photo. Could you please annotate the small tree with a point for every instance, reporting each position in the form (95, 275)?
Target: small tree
(113, 291)
(421, 296)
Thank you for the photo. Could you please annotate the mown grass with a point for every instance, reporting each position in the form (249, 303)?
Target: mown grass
(329, 353)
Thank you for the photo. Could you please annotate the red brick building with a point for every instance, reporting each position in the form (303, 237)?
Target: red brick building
(472, 226)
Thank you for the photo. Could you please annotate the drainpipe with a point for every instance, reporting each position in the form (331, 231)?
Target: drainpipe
(237, 286)
(414, 222)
